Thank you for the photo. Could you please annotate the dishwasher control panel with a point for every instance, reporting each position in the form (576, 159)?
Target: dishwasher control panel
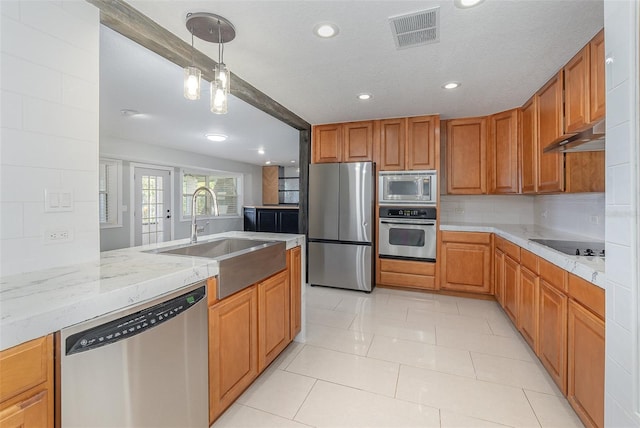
(133, 324)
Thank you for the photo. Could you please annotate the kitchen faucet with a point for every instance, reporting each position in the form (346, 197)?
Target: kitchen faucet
(194, 227)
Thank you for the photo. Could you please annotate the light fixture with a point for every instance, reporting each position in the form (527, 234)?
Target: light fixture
(365, 96)
(268, 162)
(466, 4)
(326, 30)
(127, 112)
(260, 151)
(451, 85)
(216, 29)
(192, 77)
(216, 137)
(293, 161)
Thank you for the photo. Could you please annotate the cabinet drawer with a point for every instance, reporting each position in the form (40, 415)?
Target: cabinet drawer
(466, 237)
(408, 267)
(589, 295)
(553, 274)
(508, 247)
(406, 273)
(529, 260)
(24, 366)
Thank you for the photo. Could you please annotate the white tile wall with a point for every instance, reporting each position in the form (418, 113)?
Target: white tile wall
(622, 374)
(49, 53)
(511, 209)
(582, 214)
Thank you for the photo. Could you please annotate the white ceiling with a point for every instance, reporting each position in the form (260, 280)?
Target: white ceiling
(502, 52)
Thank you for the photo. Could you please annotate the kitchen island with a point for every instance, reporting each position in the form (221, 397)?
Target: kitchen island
(36, 304)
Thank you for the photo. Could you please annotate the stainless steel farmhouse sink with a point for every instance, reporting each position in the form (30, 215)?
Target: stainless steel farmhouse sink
(241, 262)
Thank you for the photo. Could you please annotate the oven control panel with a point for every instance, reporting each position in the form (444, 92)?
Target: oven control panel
(408, 212)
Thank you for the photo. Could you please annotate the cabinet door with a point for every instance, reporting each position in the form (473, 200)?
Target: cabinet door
(586, 363)
(273, 317)
(576, 92)
(288, 221)
(249, 219)
(503, 152)
(294, 266)
(466, 267)
(466, 156)
(550, 174)
(358, 142)
(392, 144)
(266, 220)
(596, 77)
(233, 349)
(528, 307)
(498, 276)
(529, 146)
(552, 333)
(511, 279)
(585, 172)
(29, 413)
(270, 184)
(327, 143)
(422, 138)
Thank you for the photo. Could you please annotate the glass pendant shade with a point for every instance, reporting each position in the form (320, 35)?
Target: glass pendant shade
(220, 89)
(192, 79)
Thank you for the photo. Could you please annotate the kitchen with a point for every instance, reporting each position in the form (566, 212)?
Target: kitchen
(620, 219)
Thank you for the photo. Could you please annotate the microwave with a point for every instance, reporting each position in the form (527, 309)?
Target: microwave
(407, 187)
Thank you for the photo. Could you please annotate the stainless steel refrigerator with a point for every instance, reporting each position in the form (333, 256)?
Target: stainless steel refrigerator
(341, 208)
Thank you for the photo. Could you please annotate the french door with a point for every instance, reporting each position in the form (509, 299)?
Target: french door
(152, 205)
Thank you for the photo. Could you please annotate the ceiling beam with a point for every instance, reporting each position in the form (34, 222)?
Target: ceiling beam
(124, 19)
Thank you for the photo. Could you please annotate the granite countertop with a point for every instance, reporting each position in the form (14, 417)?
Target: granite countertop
(587, 268)
(35, 304)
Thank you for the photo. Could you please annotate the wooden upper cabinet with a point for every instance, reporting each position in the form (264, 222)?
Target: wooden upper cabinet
(597, 77)
(327, 143)
(357, 142)
(576, 92)
(392, 144)
(422, 136)
(466, 156)
(529, 146)
(503, 152)
(550, 172)
(270, 185)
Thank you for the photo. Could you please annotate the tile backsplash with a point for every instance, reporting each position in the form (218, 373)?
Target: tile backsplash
(506, 209)
(579, 213)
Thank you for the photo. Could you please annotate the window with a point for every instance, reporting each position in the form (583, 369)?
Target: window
(109, 190)
(227, 187)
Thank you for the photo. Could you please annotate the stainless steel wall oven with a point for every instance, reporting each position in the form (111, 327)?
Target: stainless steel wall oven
(407, 233)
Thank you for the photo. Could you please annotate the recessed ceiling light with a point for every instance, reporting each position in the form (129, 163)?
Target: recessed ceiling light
(268, 162)
(261, 151)
(127, 112)
(293, 161)
(465, 4)
(326, 30)
(216, 137)
(365, 96)
(452, 85)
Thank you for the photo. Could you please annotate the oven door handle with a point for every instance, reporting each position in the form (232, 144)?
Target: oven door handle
(409, 222)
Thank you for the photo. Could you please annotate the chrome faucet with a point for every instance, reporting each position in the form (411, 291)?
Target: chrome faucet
(194, 227)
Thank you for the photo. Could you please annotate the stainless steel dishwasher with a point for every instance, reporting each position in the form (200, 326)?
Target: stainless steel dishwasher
(145, 366)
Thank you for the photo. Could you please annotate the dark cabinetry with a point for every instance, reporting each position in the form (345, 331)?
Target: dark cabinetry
(278, 220)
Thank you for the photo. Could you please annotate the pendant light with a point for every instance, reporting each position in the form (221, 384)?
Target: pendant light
(215, 29)
(192, 78)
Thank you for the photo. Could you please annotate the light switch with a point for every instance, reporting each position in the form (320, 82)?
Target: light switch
(58, 200)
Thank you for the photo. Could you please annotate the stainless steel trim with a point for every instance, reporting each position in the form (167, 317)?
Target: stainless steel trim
(403, 221)
(385, 177)
(588, 140)
(427, 251)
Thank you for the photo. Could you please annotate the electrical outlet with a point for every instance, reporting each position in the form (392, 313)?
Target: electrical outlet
(594, 219)
(458, 210)
(544, 214)
(52, 236)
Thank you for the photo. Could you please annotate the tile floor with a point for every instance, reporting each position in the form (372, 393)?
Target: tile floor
(403, 359)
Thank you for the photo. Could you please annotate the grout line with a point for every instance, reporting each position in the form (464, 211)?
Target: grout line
(531, 405)
(304, 401)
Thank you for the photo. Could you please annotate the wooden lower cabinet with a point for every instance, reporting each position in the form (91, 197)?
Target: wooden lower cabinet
(466, 262)
(407, 273)
(528, 306)
(511, 274)
(273, 317)
(26, 384)
(552, 333)
(233, 348)
(498, 276)
(294, 266)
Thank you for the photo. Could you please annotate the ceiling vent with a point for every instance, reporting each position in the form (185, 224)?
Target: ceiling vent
(415, 29)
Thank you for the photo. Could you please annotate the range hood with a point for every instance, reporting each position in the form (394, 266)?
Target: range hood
(589, 140)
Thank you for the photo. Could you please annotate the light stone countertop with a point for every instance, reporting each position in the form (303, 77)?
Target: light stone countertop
(35, 304)
(588, 268)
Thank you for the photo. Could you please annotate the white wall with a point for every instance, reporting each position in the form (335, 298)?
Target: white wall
(119, 237)
(622, 374)
(48, 131)
(505, 209)
(580, 213)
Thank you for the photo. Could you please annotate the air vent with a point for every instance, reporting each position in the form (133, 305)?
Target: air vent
(415, 29)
